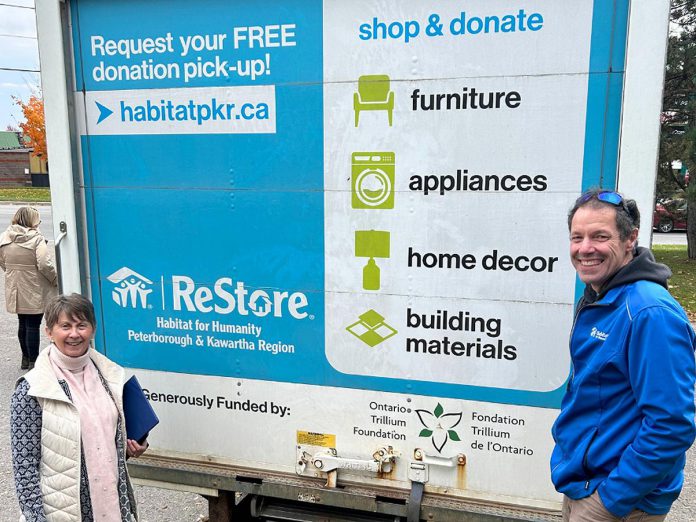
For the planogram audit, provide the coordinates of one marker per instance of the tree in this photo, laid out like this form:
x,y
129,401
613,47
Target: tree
x,y
34,126
678,128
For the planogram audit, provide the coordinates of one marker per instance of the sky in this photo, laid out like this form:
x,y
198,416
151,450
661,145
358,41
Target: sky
x,y
18,50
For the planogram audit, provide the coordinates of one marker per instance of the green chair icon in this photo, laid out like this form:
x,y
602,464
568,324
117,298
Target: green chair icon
x,y
373,95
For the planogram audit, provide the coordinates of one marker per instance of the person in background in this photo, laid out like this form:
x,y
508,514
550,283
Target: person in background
x,y
30,278
68,436
627,417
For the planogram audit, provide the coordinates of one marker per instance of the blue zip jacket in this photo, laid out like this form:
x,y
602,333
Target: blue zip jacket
x,y
627,418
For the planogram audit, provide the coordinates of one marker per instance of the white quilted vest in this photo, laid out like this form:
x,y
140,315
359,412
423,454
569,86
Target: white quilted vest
x,y
60,436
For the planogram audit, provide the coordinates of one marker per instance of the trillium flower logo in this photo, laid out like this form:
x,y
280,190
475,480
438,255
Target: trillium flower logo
x,y
439,426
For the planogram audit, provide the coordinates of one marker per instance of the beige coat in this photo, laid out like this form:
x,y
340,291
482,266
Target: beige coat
x,y
30,278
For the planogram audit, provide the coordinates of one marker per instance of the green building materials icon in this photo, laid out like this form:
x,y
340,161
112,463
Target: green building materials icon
x,y
371,328
371,244
372,180
374,94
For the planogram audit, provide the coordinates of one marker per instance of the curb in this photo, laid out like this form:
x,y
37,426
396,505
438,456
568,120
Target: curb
x,y
27,203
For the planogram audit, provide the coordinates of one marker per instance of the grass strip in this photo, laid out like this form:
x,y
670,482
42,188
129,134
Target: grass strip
x,y
28,194
682,285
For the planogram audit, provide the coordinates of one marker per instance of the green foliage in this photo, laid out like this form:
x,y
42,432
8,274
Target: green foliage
x,y
682,285
29,195
683,12
678,127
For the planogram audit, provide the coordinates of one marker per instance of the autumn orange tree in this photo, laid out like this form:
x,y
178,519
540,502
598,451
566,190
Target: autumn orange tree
x,y
34,126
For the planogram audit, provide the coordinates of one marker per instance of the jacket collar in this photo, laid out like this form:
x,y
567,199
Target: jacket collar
x,y
611,296
112,372
43,383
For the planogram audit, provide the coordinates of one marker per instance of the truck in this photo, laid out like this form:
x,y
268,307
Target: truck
x,y
329,238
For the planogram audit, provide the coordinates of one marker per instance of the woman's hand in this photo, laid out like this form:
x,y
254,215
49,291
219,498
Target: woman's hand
x,y
134,449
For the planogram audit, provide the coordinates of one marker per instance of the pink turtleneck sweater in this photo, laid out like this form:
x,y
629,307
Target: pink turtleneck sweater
x,y
98,418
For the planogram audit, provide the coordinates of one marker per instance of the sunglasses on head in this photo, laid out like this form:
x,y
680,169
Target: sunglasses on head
x,y
608,196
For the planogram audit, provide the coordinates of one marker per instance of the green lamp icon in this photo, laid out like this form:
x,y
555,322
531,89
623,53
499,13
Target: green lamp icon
x,y
372,244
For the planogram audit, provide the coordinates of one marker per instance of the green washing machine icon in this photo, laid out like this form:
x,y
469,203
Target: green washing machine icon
x,y
372,180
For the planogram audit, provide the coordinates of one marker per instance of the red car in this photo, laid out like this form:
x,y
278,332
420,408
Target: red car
x,y
670,216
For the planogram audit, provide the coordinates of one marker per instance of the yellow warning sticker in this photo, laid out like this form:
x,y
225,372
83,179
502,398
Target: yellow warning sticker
x,y
325,440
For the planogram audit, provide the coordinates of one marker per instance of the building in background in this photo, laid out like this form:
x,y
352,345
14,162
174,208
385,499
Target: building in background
x,y
18,167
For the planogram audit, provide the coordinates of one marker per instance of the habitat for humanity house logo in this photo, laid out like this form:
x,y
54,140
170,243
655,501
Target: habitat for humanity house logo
x,y
131,288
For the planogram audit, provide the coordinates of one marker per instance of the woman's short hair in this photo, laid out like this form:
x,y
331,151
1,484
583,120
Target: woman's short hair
x,y
75,306
27,217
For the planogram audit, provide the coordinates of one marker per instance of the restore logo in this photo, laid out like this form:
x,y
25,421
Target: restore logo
x,y
132,290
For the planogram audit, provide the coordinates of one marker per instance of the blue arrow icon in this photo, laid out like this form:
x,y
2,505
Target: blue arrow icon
x,y
104,112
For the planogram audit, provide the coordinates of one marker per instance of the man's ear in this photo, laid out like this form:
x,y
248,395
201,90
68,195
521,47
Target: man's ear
x,y
633,238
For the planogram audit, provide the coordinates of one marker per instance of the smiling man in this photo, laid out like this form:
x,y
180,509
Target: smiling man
x,y
627,418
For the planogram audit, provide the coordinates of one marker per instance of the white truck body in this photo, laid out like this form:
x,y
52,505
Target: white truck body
x,y
320,230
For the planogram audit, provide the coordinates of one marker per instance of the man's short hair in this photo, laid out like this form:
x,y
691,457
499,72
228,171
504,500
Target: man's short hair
x,y
75,306
627,213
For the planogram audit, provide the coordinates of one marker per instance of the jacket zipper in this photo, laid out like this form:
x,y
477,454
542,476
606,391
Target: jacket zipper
x,y
572,331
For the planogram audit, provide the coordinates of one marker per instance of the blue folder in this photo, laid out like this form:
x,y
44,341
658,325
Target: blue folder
x,y
140,417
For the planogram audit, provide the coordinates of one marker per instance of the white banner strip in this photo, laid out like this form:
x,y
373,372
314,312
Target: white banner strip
x,y
202,110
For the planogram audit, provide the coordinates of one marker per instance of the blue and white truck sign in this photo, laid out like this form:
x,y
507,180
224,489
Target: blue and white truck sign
x,y
341,225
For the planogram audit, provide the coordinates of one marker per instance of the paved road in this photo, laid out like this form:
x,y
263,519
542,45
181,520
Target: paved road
x,y
673,238
157,505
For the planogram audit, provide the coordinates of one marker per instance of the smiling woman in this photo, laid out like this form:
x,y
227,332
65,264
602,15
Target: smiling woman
x,y
71,335
67,415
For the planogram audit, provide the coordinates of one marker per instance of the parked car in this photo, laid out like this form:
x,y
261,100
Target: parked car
x,y
670,215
